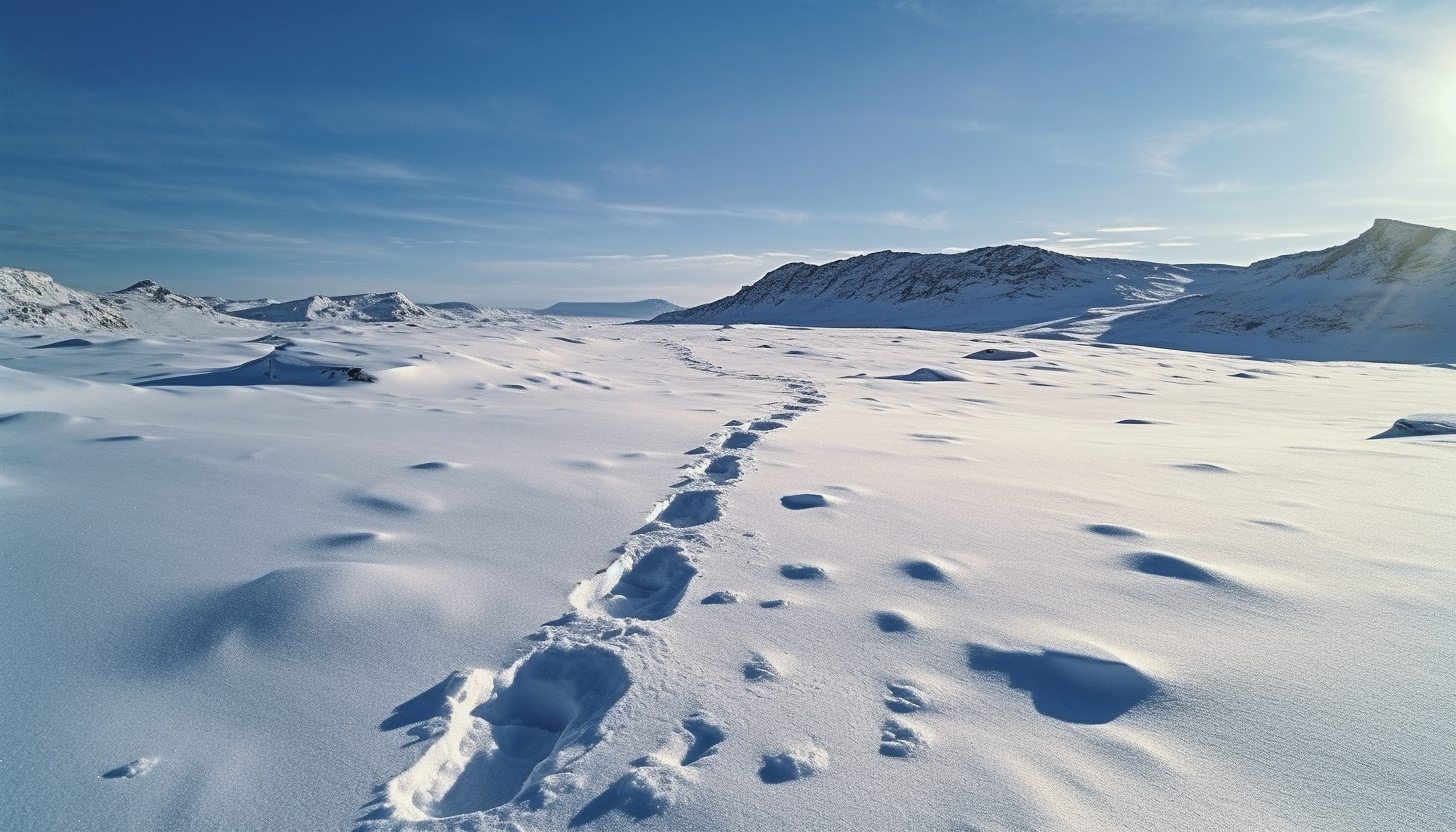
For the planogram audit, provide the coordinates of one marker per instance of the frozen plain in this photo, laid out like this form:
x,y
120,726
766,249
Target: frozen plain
x,y
1101,587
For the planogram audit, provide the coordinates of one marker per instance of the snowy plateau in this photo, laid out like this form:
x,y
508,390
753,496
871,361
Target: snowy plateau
x,y
1004,540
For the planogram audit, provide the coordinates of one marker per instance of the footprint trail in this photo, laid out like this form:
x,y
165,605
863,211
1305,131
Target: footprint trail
x,y
502,745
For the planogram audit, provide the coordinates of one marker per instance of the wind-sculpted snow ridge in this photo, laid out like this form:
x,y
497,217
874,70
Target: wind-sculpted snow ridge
x,y
1387,295
981,290
503,745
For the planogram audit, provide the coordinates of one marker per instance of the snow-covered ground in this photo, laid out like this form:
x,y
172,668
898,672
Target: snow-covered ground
x,y
1100,587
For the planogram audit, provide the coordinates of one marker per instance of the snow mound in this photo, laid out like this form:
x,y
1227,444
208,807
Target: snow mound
x,y
35,299
1421,424
993,354
277,367
927,374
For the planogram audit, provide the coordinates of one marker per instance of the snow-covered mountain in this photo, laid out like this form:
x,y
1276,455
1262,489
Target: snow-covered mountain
x,y
35,299
382,306
1387,295
151,306
622,309
981,290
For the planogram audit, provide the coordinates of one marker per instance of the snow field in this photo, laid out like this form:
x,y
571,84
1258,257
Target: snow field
x,y
1096,587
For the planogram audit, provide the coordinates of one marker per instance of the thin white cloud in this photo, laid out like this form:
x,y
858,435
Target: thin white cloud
x,y
1170,245
1132,228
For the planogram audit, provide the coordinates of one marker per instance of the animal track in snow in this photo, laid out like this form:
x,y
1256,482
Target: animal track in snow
x,y
793,764
903,698
900,739
656,781
759,668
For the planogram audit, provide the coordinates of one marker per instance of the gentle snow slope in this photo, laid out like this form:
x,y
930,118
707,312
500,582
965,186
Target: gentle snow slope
x,y
1098,587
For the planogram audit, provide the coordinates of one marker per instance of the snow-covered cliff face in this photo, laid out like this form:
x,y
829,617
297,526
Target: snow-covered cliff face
x,y
984,289
34,299
1389,294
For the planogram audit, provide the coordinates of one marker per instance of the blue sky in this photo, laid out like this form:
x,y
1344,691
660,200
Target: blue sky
x,y
519,153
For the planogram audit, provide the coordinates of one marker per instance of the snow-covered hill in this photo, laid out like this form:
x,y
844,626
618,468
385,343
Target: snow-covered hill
x,y
35,299
382,306
1387,295
150,306
982,290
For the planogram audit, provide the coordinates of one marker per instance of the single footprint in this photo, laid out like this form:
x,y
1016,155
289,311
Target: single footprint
x,y
899,739
722,596
1109,530
803,572
759,668
704,734
1168,566
904,698
793,764
893,622
924,570
798,502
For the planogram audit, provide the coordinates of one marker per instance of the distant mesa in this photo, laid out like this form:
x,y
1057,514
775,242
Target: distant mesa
x,y
630,310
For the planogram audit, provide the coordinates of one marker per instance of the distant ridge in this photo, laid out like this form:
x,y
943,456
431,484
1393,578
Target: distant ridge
x,y
384,306
1387,295
986,289
622,309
